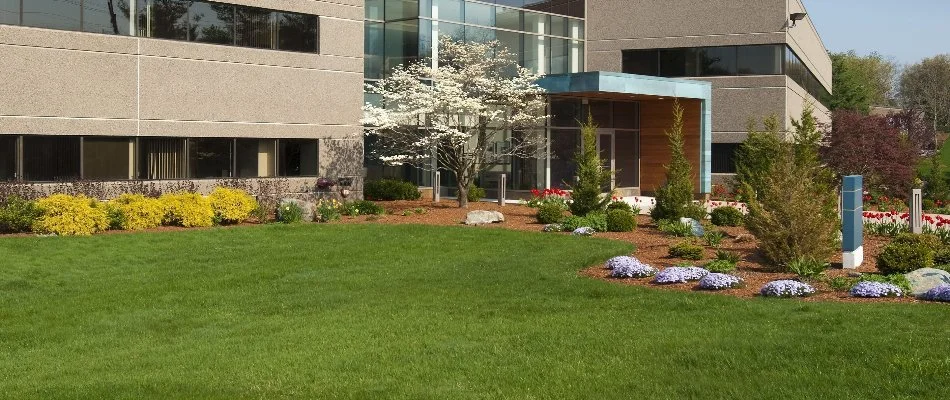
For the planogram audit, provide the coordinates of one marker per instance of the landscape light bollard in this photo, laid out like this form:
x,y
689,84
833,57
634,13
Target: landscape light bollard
x,y
852,221
916,212
436,187
501,189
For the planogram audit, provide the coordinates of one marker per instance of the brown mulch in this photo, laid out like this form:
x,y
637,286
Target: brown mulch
x,y
651,247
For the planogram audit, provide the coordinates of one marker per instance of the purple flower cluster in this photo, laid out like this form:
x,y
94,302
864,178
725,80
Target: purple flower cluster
x,y
787,288
629,267
939,293
717,281
584,231
875,289
680,275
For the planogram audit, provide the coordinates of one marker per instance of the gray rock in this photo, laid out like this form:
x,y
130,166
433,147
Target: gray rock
x,y
854,274
925,279
306,206
481,217
698,230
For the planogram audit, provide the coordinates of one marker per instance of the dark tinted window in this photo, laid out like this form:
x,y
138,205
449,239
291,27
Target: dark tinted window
x,y
641,62
565,112
7,158
161,158
297,32
106,158
50,158
105,16
209,158
169,19
10,12
717,61
508,18
255,28
211,23
679,62
724,158
297,157
374,50
248,156
760,60
53,14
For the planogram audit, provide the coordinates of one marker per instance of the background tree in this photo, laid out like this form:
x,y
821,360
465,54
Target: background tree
x,y
456,117
926,86
794,214
860,82
873,147
587,194
674,198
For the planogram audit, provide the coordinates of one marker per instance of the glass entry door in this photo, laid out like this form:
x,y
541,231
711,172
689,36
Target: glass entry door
x,y
627,158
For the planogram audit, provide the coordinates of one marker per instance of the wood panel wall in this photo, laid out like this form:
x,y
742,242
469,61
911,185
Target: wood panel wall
x,y
656,117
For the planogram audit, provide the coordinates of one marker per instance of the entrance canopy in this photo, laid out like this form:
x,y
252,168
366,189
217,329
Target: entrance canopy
x,y
658,93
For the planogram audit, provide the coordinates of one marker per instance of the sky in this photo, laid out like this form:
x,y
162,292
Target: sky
x,y
907,30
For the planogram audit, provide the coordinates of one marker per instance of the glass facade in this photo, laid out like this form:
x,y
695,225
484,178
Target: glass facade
x,y
51,158
399,32
106,158
771,59
186,20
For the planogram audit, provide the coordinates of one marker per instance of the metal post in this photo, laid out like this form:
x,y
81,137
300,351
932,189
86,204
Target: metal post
x,y
916,212
436,186
852,221
502,184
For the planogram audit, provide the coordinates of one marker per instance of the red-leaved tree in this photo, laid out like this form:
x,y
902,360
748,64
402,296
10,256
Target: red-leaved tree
x,y
871,146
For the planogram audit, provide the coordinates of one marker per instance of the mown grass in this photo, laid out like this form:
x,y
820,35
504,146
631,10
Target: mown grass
x,y
414,312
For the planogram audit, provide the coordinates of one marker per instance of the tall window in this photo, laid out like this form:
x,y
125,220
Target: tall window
x,y
724,158
297,157
161,158
255,157
8,145
50,158
209,158
297,32
106,158
255,28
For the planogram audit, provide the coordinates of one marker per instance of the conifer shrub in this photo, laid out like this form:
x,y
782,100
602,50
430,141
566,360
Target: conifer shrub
x,y
676,194
588,193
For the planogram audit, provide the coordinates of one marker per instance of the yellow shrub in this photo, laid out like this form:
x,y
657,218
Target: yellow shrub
x,y
187,209
232,205
66,215
138,212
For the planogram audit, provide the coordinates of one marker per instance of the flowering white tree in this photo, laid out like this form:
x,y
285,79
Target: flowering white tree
x,y
458,116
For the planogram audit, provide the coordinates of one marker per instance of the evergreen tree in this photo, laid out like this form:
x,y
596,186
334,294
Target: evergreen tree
x,y
755,157
936,187
592,177
675,197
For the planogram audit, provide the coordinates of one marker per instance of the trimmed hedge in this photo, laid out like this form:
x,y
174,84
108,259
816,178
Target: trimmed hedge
x,y
726,216
619,220
390,190
67,215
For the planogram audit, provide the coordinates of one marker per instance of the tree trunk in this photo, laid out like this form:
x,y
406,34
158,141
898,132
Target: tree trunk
x,y
463,195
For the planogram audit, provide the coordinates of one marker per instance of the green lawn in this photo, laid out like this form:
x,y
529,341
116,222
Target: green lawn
x,y
414,312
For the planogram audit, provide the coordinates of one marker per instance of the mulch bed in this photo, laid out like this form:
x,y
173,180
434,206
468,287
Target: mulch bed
x,y
651,247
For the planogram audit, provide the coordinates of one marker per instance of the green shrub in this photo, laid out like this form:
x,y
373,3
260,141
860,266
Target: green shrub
x,y
18,215
928,204
695,211
361,207
729,256
260,214
726,216
721,266
620,205
390,190
842,283
572,222
596,220
898,280
675,228
289,213
619,220
67,215
187,210
903,257
587,193
686,250
807,268
926,240
550,213
475,193
942,256
713,238
326,210
231,206
136,212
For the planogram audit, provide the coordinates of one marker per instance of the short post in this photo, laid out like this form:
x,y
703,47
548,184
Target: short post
x,y
436,186
502,184
852,221
916,212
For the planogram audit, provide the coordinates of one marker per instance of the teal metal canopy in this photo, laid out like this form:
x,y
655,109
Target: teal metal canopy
x,y
590,84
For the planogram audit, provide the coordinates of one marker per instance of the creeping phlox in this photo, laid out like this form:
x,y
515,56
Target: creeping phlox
x,y
584,231
786,288
939,293
875,290
717,281
680,275
629,267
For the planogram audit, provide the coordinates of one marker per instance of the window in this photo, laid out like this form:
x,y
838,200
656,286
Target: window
x,y
641,62
508,18
209,158
8,150
374,10
565,112
512,42
478,14
106,158
211,23
402,43
255,158
475,34
374,50
537,23
400,9
717,61
255,28
50,158
560,56
626,115
448,10
297,32
678,62
535,55
105,16
297,157
559,26
169,19
564,145
10,12
161,158
724,158
53,14
760,60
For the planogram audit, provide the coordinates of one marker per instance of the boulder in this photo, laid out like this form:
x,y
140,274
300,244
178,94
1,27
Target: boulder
x,y
481,217
306,206
925,279
698,230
